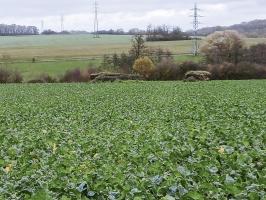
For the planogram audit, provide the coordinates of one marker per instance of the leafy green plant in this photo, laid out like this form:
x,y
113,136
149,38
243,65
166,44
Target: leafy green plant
x,y
137,140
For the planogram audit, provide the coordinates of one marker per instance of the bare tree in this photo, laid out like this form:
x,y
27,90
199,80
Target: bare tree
x,y
165,33
225,46
256,54
138,48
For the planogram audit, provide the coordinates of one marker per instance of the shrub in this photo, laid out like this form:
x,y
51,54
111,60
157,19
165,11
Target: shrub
x,y
7,76
167,70
74,75
221,71
247,70
256,54
144,66
190,66
241,71
15,77
122,63
125,63
36,81
78,75
48,79
224,46
4,76
44,78
158,54
105,76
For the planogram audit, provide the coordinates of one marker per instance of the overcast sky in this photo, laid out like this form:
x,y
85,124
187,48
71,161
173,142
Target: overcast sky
x,y
128,13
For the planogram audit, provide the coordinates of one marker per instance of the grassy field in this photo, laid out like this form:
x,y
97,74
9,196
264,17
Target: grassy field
x,y
66,46
73,46
57,68
70,51
133,140
34,70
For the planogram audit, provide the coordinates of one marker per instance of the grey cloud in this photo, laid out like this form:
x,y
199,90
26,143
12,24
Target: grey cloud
x,y
128,13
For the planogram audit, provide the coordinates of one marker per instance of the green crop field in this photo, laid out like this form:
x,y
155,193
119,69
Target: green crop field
x,y
133,140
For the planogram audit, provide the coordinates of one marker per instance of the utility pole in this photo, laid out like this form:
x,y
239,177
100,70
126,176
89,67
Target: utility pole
x,y
42,26
62,23
96,21
196,23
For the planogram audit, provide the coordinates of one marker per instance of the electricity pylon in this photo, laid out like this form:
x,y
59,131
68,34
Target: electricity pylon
x,y
196,23
96,21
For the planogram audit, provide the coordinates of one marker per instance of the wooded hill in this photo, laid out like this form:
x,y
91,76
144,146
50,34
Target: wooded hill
x,y
255,28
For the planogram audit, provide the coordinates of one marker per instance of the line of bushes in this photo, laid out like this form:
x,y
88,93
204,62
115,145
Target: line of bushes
x,y
70,76
166,70
8,76
240,71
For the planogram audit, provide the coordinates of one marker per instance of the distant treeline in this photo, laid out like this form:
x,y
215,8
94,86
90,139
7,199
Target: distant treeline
x,y
132,31
51,32
165,33
101,32
157,33
11,30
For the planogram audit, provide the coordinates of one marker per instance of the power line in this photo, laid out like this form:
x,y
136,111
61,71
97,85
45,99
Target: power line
x,y
195,23
96,21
